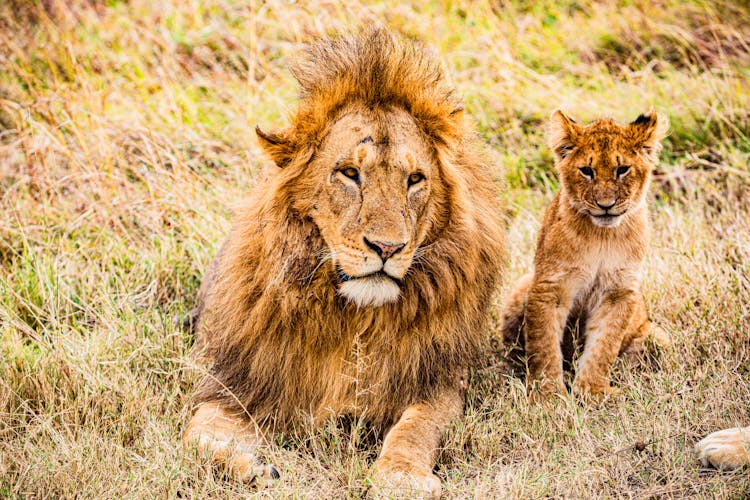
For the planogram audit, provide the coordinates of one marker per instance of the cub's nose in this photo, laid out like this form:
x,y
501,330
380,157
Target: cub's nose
x,y
384,250
606,203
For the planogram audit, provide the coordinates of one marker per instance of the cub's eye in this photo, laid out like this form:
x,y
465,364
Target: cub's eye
x,y
415,178
622,171
351,173
587,172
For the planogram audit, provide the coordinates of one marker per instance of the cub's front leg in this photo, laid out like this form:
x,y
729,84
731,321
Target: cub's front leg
x,y
410,448
546,313
608,323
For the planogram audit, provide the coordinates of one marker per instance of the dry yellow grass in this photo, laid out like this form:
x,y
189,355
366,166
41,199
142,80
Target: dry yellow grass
x,y
126,139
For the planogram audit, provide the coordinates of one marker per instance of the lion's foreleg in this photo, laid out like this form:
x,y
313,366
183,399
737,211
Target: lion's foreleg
x,y
410,448
231,440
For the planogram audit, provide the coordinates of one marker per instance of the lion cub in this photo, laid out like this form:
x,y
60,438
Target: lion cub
x,y
590,253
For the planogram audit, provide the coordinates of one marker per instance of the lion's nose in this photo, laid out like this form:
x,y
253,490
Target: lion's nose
x,y
384,250
606,204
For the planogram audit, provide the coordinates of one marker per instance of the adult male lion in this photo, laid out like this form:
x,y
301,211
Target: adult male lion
x,y
357,281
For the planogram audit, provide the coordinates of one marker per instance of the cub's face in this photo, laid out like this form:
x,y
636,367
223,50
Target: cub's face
x,y
605,168
375,178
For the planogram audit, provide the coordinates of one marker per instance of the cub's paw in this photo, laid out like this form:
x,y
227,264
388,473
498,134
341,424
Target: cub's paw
x,y
659,336
390,480
725,450
595,392
655,338
544,390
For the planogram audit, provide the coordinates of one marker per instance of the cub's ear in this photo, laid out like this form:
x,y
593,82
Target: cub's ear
x,y
563,133
648,130
277,145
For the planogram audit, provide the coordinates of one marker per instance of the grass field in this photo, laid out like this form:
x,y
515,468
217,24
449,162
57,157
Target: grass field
x,y
126,139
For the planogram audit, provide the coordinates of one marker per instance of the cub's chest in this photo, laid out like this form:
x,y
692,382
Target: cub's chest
x,y
609,264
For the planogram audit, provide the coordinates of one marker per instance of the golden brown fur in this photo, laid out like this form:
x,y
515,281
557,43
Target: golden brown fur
x,y
358,279
590,252
725,450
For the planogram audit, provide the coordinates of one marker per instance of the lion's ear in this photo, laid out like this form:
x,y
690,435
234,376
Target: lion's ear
x,y
648,130
277,146
563,133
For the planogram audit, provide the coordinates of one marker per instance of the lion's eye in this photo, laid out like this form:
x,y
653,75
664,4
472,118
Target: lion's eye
x,y
622,171
587,172
351,173
415,178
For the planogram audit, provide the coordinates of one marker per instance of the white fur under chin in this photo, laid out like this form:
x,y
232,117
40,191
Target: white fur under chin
x,y
613,222
374,291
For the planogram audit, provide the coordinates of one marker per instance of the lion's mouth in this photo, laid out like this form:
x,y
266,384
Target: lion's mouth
x,y
607,216
343,277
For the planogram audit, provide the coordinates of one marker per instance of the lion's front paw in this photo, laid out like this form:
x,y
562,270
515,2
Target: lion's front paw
x,y
391,479
246,467
261,475
725,450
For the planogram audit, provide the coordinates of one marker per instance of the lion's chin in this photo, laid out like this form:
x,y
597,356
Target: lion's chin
x,y
607,221
370,291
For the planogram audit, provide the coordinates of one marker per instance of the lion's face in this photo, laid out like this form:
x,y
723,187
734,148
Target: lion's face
x,y
375,177
605,168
